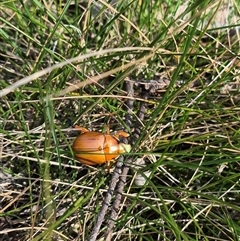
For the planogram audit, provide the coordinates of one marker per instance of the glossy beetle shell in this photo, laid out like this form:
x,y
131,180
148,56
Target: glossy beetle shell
x,y
94,148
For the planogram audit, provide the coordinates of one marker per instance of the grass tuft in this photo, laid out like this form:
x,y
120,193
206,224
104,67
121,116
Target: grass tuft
x,y
68,62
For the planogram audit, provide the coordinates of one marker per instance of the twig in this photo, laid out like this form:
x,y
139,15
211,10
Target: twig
x,y
120,174
128,163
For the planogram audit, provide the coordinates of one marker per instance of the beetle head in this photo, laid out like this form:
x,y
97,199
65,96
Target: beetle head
x,y
123,148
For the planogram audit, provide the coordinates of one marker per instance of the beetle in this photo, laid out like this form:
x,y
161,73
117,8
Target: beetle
x,y
95,148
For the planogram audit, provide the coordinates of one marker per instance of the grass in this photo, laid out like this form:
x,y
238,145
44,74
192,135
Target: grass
x,y
67,62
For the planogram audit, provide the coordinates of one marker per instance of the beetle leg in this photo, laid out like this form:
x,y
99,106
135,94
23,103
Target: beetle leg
x,y
82,129
108,129
108,166
100,148
121,133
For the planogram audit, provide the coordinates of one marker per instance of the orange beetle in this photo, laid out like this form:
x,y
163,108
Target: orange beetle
x,y
94,148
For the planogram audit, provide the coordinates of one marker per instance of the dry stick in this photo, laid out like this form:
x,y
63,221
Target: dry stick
x,y
113,183
128,121
123,177
115,177
116,174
